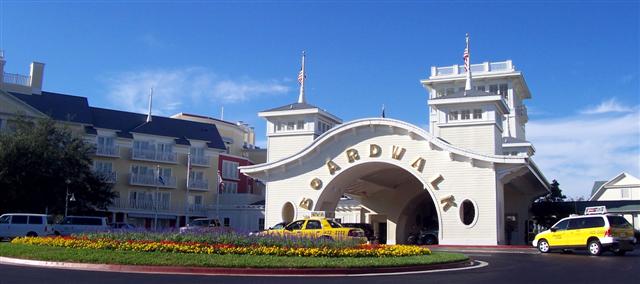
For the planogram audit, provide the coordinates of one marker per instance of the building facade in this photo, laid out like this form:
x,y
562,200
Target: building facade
x,y
623,188
161,167
471,177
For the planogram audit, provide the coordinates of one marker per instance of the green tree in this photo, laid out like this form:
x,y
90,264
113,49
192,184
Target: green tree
x,y
550,208
39,161
555,193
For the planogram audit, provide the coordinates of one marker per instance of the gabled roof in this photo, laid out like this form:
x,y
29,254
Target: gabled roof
x,y
60,107
294,106
597,185
608,184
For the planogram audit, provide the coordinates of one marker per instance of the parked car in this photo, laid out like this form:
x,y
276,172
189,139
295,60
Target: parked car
x,y
423,237
316,227
202,224
25,224
123,226
80,224
366,227
595,233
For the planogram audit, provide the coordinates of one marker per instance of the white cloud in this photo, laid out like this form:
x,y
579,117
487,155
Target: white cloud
x,y
608,106
581,149
175,88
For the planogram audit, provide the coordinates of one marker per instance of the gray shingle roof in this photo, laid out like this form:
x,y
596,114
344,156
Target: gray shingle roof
x,y
76,109
597,185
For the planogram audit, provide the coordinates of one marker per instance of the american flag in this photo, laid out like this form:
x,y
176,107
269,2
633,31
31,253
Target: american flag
x,y
466,55
301,76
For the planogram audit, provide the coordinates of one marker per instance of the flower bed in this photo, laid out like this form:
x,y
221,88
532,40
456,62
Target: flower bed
x,y
142,245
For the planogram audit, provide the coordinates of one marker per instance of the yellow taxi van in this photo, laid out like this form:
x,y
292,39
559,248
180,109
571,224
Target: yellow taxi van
x,y
596,231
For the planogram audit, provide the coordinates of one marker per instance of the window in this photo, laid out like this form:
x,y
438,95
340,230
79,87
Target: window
x,y
300,125
562,225
297,225
290,125
449,91
493,89
260,224
461,89
333,224
480,88
614,221
196,153
230,169
467,212
466,114
477,114
5,219
102,166
440,93
105,142
19,219
230,187
313,225
36,220
226,221
196,175
278,126
625,193
503,90
453,115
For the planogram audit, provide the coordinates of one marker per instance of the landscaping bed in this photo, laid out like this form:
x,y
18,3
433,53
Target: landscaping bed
x,y
219,250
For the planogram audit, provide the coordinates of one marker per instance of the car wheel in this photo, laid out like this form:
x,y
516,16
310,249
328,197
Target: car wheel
x,y
543,246
594,247
32,234
430,240
56,233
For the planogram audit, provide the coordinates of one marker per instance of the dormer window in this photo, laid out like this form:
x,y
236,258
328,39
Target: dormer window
x,y
300,125
477,114
466,114
290,126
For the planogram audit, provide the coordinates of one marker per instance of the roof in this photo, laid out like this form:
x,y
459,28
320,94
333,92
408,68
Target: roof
x,y
60,107
294,106
596,185
76,109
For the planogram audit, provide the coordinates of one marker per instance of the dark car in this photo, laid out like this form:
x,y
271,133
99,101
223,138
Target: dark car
x,y
367,228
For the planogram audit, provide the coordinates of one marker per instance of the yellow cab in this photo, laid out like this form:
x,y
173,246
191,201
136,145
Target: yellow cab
x,y
318,226
596,231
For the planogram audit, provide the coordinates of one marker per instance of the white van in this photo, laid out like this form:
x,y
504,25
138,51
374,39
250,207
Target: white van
x,y
80,224
25,224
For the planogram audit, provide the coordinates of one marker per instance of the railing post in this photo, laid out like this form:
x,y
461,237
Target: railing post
x,y
455,69
434,71
486,67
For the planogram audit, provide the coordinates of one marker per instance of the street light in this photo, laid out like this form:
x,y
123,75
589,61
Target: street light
x,y
68,197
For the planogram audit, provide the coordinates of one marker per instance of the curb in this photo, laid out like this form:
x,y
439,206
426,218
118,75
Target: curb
x,y
486,249
461,265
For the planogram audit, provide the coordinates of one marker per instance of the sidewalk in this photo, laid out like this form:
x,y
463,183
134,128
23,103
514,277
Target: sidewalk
x,y
519,249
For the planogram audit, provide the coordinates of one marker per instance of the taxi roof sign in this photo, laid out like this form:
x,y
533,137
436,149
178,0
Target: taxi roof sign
x,y
595,210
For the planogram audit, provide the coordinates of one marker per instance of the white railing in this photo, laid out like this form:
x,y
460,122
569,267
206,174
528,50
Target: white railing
x,y
17,79
199,184
152,155
152,180
109,177
485,67
142,205
108,150
200,161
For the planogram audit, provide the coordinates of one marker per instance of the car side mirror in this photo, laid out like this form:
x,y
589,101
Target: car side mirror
x,y
554,229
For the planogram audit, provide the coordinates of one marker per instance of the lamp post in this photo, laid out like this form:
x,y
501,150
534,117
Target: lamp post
x,y
68,197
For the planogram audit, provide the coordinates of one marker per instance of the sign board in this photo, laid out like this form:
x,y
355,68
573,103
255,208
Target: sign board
x,y
319,214
595,210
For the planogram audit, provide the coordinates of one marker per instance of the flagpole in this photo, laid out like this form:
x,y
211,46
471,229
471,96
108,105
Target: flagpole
x,y
186,208
301,78
467,65
155,221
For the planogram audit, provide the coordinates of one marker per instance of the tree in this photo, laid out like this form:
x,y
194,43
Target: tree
x,y
39,161
547,209
555,193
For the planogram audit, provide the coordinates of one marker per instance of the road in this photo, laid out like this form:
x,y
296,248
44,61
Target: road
x,y
503,268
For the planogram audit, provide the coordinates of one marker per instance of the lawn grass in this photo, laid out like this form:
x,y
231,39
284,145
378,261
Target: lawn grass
x,y
202,260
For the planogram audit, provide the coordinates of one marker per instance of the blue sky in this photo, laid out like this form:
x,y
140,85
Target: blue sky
x,y
581,62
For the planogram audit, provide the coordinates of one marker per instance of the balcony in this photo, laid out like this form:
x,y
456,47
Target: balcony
x,y
202,161
109,177
142,205
486,67
152,180
108,151
17,79
152,155
197,209
199,184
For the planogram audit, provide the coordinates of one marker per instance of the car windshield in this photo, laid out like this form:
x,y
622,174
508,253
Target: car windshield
x,y
199,223
334,224
618,222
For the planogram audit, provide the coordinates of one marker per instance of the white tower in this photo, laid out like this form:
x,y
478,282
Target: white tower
x,y
490,118
292,127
